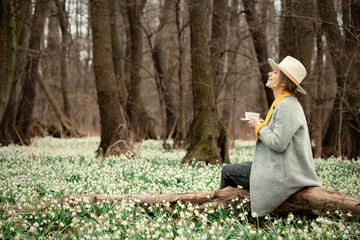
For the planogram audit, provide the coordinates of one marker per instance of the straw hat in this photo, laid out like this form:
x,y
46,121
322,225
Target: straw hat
x,y
293,69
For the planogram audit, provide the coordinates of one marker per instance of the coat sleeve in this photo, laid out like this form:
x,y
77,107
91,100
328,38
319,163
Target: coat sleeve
x,y
286,123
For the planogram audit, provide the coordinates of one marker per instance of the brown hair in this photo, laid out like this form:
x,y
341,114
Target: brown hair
x,y
289,85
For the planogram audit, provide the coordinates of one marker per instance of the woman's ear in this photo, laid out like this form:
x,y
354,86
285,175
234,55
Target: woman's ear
x,y
283,83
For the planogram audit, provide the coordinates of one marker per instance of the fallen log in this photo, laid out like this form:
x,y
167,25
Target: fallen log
x,y
315,200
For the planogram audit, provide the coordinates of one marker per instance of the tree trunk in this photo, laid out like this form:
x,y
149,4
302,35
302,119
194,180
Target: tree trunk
x,y
8,124
134,102
315,200
257,31
181,123
65,48
218,43
5,86
290,30
230,84
297,40
24,114
127,57
318,128
164,67
114,130
8,42
343,136
51,73
117,53
209,139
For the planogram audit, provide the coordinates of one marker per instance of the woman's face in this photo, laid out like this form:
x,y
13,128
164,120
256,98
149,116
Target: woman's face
x,y
272,81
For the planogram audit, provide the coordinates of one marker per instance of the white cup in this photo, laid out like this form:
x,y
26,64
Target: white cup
x,y
249,115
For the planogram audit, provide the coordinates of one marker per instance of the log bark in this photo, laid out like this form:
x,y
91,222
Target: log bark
x,y
315,200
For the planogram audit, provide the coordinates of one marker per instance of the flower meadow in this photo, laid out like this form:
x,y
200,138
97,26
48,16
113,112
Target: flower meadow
x,y
36,175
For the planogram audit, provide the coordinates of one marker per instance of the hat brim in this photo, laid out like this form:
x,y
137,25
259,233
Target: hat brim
x,y
274,65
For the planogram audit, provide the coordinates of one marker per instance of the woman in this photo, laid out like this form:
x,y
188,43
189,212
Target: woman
x,y
283,162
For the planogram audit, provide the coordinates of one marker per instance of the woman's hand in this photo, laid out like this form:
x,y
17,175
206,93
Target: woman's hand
x,y
254,122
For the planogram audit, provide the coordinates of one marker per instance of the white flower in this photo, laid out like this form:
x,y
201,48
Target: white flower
x,y
32,229
192,225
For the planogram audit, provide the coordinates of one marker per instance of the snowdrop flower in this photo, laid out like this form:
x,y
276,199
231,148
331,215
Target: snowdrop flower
x,y
32,229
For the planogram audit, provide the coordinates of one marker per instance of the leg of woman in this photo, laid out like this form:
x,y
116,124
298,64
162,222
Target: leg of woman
x,y
236,174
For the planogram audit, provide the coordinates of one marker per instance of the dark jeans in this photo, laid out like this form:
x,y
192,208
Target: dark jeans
x,y
235,175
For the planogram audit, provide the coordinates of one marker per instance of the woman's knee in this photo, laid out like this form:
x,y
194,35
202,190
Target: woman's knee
x,y
226,169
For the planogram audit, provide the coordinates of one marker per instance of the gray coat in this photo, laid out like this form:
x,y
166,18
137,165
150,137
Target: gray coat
x,y
283,162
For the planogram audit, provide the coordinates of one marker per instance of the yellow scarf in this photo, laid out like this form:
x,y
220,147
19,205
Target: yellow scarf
x,y
283,94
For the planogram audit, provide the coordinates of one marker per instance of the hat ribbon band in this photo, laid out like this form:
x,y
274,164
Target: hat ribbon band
x,y
289,75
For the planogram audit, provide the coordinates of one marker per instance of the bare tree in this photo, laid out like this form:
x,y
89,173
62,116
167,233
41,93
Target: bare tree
x,y
8,132
318,128
209,139
134,102
165,67
51,60
24,116
257,30
297,38
218,43
8,43
117,52
228,111
114,130
65,48
181,23
343,136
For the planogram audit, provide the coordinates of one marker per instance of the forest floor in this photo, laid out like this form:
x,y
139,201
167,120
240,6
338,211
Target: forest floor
x,y
49,168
